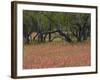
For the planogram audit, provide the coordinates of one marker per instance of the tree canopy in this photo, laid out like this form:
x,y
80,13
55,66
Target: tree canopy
x,y
73,26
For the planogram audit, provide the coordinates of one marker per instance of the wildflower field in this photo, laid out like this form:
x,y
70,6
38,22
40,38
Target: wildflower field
x,y
56,54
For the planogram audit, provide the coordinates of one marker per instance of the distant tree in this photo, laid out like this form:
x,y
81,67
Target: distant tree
x,y
81,26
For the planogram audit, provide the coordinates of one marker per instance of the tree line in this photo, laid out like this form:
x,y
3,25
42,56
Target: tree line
x,y
71,26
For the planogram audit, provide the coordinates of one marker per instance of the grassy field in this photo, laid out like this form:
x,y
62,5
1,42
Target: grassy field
x,y
56,54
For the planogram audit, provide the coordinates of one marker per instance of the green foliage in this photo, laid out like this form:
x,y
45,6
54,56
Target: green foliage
x,y
76,25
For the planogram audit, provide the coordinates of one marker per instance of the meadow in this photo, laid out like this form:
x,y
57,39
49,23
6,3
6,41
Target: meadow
x,y
56,54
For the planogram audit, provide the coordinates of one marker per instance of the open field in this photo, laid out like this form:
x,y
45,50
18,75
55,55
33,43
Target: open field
x,y
56,54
